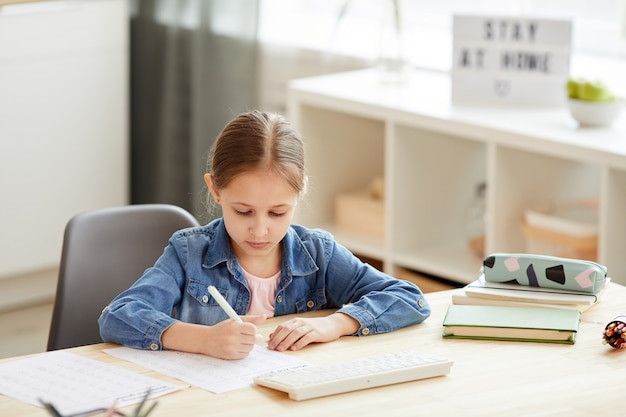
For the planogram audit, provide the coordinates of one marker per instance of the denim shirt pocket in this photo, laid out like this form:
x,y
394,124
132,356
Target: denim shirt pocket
x,y
199,291
312,300
198,306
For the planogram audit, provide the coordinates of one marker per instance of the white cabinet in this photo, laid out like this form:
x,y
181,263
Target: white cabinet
x,y
433,154
63,122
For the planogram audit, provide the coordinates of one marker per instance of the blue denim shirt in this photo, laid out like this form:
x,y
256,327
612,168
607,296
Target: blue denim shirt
x,y
316,273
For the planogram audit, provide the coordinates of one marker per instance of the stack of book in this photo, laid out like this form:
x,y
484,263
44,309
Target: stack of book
x,y
488,310
481,292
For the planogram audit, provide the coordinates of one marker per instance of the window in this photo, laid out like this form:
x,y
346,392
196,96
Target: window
x,y
356,27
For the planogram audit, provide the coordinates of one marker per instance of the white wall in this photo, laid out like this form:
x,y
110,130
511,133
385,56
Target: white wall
x,y
63,122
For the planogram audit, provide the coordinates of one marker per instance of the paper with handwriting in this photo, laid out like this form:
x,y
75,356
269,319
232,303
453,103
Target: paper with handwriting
x,y
211,374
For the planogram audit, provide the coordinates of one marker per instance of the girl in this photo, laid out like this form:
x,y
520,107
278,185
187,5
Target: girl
x,y
261,263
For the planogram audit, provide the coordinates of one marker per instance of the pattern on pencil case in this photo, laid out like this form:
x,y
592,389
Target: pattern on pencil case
x,y
489,261
583,279
556,274
532,277
512,264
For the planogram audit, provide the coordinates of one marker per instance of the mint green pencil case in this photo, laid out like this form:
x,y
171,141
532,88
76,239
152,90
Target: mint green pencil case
x,y
545,272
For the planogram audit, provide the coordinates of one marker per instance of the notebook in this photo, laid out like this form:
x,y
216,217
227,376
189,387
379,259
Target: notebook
x,y
529,324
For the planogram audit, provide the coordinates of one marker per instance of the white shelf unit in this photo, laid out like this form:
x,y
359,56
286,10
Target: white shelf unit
x,y
432,155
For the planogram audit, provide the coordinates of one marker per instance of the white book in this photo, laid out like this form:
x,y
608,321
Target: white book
x,y
520,293
460,298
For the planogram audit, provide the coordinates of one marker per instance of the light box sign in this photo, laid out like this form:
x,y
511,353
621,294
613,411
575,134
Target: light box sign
x,y
510,60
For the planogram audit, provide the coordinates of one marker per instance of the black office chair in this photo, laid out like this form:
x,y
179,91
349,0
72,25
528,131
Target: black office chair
x,y
104,252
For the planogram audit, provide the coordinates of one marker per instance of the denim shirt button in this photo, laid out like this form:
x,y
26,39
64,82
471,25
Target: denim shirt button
x,y
279,298
205,299
310,304
420,302
154,346
365,331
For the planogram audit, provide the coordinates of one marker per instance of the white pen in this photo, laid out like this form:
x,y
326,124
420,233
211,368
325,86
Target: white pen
x,y
224,304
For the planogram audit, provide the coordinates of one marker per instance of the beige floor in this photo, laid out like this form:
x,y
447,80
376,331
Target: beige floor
x,y
24,331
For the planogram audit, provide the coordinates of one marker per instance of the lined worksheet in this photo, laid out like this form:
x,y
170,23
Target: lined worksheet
x,y
211,374
74,384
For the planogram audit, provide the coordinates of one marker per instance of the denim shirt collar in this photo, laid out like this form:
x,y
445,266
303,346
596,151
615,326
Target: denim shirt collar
x,y
296,258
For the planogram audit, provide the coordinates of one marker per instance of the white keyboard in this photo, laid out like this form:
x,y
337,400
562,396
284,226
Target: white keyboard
x,y
368,372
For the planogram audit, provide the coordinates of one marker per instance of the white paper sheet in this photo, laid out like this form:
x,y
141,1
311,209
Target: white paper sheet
x,y
211,374
75,384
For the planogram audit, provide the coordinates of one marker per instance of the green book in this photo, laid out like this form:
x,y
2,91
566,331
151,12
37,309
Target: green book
x,y
529,324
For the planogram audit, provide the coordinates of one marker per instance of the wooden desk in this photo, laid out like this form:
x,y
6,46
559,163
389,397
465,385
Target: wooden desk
x,y
489,378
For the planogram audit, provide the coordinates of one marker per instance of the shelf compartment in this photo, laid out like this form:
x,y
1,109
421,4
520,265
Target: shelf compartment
x,y
343,154
530,181
432,181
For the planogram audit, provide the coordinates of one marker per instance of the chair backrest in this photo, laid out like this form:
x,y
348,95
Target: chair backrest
x,y
104,252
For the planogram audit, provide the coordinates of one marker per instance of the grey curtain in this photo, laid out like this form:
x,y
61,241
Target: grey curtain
x,y
194,65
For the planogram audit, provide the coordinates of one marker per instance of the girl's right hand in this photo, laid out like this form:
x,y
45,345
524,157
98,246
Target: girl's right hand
x,y
228,339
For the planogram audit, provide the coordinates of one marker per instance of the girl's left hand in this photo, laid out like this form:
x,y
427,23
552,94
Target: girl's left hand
x,y
298,332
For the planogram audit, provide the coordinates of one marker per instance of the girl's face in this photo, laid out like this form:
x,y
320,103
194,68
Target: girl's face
x,y
258,208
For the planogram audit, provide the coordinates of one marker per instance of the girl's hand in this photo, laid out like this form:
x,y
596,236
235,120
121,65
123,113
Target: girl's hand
x,y
228,339
231,339
298,332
